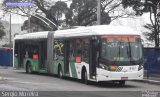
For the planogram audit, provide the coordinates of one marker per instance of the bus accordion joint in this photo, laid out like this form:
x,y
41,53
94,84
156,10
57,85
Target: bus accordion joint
x,y
35,56
78,59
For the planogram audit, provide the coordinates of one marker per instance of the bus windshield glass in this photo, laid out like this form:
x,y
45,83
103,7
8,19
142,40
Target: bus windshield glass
x,y
121,48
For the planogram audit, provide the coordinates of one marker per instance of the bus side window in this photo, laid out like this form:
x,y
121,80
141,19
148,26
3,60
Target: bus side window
x,y
78,47
71,51
85,50
81,47
58,48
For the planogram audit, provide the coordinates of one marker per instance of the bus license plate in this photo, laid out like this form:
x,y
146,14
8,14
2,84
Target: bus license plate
x,y
124,78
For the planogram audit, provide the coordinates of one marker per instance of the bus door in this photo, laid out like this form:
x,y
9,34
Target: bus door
x,y
20,53
42,54
66,56
92,58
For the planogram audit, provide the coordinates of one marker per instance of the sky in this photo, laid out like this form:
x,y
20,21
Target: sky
x,y
17,19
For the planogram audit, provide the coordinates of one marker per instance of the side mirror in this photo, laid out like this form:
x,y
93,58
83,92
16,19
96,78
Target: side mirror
x,y
142,41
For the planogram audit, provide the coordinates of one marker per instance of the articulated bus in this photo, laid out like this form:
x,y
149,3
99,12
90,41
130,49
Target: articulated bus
x,y
96,53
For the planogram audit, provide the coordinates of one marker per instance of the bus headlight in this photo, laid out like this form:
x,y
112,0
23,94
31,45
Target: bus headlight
x,y
104,66
140,67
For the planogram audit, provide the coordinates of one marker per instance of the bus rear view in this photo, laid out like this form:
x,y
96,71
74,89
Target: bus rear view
x,y
121,58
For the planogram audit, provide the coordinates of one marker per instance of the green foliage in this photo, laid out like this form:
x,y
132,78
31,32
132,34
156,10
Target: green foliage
x,y
83,13
151,6
39,6
8,45
135,4
150,33
2,32
58,10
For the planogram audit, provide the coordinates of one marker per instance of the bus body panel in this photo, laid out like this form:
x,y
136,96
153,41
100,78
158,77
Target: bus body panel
x,y
33,63
105,75
79,67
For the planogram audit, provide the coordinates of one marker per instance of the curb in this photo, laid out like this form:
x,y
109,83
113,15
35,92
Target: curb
x,y
2,78
4,67
149,81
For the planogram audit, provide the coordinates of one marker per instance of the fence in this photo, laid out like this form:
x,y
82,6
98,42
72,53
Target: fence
x,y
6,58
152,61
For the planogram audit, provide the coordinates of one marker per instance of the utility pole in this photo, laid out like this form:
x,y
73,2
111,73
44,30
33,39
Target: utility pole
x,y
29,23
10,35
29,19
22,4
98,12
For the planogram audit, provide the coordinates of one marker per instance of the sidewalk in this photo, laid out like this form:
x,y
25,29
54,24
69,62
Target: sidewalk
x,y
153,79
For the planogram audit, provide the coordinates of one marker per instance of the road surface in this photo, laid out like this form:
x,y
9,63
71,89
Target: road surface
x,y
18,80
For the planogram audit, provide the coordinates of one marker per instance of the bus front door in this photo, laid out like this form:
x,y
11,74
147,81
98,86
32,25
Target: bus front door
x,y
66,57
92,58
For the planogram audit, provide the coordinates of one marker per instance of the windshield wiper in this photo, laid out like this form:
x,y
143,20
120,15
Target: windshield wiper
x,y
117,57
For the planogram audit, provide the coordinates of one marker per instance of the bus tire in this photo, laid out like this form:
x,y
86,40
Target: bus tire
x,y
28,68
60,75
122,82
84,77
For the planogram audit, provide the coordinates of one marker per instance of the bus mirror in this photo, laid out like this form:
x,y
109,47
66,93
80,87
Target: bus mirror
x,y
142,41
78,59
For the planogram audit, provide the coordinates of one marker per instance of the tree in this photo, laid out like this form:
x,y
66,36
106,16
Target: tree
x,y
41,7
150,33
151,6
2,32
83,12
58,10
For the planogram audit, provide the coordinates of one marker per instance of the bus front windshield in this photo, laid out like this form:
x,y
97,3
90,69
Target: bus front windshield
x,y
122,50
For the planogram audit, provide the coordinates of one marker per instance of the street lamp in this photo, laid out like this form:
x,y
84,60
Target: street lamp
x,y
46,19
39,17
43,21
15,4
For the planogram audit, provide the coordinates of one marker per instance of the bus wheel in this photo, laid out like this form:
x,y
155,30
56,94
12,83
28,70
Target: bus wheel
x,y
122,83
28,68
60,75
84,77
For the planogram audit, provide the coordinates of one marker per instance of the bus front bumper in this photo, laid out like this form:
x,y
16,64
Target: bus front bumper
x,y
104,75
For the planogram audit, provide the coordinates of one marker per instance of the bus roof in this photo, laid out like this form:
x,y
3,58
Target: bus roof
x,y
96,30
83,31
35,35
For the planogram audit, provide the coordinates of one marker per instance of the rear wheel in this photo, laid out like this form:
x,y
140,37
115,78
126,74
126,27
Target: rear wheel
x,y
28,68
60,75
84,77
